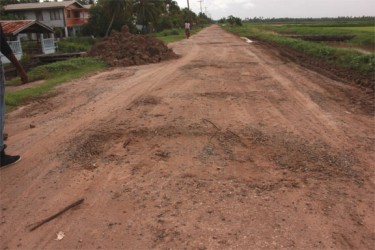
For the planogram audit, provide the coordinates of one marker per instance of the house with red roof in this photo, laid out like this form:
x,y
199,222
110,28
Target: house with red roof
x,y
66,17
28,36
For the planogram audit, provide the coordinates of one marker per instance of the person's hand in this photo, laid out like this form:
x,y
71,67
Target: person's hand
x,y
23,76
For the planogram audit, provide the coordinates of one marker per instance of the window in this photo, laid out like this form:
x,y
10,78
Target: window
x,y
55,15
68,14
39,16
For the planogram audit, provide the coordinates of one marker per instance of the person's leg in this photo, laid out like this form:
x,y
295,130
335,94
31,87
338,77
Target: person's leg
x,y
5,160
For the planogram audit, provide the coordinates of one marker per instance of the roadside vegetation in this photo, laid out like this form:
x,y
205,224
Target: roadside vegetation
x,y
174,35
140,16
363,36
52,74
76,44
353,59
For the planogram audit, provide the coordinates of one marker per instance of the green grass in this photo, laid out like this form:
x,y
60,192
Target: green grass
x,y
364,29
169,36
53,74
364,36
75,44
349,59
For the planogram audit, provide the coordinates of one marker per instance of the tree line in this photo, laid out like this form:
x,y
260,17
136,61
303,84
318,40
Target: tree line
x,y
370,20
142,16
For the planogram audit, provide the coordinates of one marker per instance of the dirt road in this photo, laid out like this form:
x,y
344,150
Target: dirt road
x,y
230,146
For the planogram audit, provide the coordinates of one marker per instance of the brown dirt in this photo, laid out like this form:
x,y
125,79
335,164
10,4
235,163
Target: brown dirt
x,y
125,49
367,82
231,146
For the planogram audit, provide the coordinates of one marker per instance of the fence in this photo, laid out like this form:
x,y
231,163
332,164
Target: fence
x,y
48,45
17,51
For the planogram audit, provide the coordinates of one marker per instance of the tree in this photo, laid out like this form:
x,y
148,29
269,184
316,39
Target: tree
x,y
234,20
172,8
117,9
108,14
189,15
222,20
147,11
203,19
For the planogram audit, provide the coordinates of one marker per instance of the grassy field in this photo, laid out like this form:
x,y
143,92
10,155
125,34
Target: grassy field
x,y
364,36
351,59
53,74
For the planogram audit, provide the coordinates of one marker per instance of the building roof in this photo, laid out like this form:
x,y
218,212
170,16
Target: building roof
x,y
14,27
43,5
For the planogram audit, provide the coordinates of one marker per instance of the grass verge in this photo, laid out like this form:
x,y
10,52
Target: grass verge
x,y
53,74
349,59
363,36
75,44
174,35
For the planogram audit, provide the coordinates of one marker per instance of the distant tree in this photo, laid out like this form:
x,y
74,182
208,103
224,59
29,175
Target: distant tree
x,y
172,7
147,11
203,19
3,14
116,9
222,20
108,14
232,20
189,15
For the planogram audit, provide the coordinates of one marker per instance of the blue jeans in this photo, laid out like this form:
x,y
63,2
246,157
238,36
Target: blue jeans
x,y
2,105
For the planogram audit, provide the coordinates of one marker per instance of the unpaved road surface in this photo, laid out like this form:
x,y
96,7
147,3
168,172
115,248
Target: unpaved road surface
x,y
230,146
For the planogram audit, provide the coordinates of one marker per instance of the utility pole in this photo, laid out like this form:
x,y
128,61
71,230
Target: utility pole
x,y
200,2
188,14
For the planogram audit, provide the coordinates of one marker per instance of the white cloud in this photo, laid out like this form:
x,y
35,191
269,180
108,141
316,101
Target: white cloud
x,y
282,8
225,4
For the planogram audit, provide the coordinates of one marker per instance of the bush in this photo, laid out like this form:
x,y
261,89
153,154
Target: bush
x,y
60,68
76,44
174,32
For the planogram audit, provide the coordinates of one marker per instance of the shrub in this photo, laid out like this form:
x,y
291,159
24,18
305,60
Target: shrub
x,y
174,32
76,44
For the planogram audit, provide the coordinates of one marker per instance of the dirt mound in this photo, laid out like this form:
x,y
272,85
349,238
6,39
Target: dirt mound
x,y
125,49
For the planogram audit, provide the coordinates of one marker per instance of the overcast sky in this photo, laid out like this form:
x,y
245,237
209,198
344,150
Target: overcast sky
x,y
282,8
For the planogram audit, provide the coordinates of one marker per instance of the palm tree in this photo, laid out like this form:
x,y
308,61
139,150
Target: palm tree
x,y
116,9
147,11
171,7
